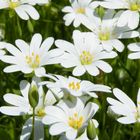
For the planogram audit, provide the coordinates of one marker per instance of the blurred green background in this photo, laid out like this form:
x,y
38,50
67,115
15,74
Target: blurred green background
x,y
125,74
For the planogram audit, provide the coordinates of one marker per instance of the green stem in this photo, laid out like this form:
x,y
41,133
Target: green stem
x,y
129,73
33,122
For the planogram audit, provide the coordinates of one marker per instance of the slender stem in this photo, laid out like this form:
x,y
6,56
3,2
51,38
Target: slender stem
x,y
129,73
33,123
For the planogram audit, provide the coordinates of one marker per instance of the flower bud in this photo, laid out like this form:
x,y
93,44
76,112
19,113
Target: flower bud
x,y
33,95
91,130
30,26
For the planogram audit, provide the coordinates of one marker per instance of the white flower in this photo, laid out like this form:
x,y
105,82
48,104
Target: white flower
x,y
69,120
19,105
76,87
83,136
78,10
85,54
130,14
125,107
30,58
107,32
23,8
135,48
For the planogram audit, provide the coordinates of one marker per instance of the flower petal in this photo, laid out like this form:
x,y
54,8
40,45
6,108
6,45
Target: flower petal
x,y
133,20
49,120
129,34
92,70
12,68
26,130
103,66
58,128
134,55
21,13
35,43
122,21
39,130
40,71
71,134
123,98
127,120
16,100
78,70
134,47
23,46
59,113
13,111
4,4
24,88
118,45
47,43
31,11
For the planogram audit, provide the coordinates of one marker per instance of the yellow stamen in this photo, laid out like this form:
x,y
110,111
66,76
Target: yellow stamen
x,y
32,53
41,112
80,10
13,4
104,36
76,121
135,7
86,58
74,86
33,61
75,115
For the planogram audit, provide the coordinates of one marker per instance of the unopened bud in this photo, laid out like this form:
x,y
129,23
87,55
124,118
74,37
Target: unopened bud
x,y
91,130
33,95
30,26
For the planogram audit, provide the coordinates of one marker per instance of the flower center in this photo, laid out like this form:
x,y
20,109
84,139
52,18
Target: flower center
x,y
135,6
75,121
40,112
80,10
86,58
104,36
33,61
13,4
74,85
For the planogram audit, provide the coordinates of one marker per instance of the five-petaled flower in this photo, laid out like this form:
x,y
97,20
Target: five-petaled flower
x,y
75,87
107,31
85,54
30,58
125,107
78,10
69,119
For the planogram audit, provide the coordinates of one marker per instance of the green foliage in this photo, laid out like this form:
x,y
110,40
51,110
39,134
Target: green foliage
x,y
125,74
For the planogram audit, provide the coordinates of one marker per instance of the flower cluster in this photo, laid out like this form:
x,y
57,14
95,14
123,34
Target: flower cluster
x,y
68,106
